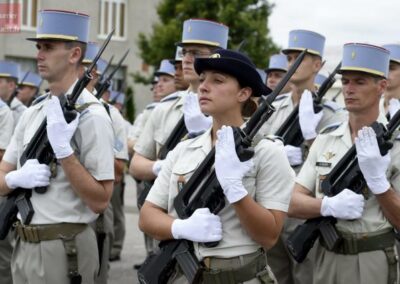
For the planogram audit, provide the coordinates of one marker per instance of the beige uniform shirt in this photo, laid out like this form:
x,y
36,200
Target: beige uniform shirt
x,y
324,154
269,183
18,109
120,136
93,144
283,104
140,122
159,126
6,125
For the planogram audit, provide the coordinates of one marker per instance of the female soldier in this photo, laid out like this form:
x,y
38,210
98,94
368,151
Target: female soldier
x,y
257,191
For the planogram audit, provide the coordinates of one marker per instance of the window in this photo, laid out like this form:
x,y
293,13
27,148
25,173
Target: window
x,y
28,12
113,15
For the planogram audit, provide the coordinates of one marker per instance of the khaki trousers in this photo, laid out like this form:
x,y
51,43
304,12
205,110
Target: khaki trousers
x,y
46,262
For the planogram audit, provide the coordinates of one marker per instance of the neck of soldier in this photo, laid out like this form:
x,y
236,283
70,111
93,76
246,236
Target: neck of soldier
x,y
231,118
194,85
299,87
61,86
359,119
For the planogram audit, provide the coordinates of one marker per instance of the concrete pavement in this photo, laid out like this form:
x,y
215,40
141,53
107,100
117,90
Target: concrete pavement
x,y
133,251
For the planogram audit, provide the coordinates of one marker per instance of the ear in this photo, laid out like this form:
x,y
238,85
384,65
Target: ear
x,y
317,64
244,94
75,55
382,85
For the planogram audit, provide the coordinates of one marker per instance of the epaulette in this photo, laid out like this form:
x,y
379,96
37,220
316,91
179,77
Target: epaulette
x,y
280,97
151,106
330,128
333,106
39,99
170,97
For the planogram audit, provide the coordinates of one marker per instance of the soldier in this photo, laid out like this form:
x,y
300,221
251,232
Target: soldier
x,y
6,131
199,39
180,83
165,83
277,68
285,268
256,191
391,102
58,246
9,72
364,222
28,90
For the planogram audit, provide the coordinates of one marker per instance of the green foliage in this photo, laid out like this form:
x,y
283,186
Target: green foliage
x,y
247,20
130,105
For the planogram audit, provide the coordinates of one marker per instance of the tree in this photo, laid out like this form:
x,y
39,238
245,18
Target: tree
x,y
247,20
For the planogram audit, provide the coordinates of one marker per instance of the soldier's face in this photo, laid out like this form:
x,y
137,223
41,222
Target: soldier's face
x,y
26,93
308,68
53,60
6,88
190,52
180,82
394,76
165,85
273,78
221,95
362,92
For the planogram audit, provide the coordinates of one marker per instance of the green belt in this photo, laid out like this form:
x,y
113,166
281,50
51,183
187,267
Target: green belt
x,y
354,244
383,240
246,272
38,233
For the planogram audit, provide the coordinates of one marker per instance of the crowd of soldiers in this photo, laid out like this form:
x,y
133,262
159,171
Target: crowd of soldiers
x,y
213,131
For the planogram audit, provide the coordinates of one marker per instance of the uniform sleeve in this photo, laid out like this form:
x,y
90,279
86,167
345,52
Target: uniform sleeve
x,y
308,174
395,167
95,140
275,177
6,126
159,193
146,145
120,136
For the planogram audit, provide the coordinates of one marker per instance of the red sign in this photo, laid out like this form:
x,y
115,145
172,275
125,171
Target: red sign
x,y
10,18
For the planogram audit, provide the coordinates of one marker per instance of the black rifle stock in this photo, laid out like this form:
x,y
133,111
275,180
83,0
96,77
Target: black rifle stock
x,y
107,82
290,130
39,148
103,74
345,174
203,190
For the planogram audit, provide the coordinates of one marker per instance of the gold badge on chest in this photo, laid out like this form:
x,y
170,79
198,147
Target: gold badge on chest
x,y
329,155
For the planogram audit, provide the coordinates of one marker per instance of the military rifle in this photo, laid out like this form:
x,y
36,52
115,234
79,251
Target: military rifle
x,y
290,130
203,190
346,174
103,74
107,82
39,148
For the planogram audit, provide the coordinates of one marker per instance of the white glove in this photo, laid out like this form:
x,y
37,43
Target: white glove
x,y
294,154
157,166
30,175
202,226
307,118
228,168
394,106
373,166
346,205
59,131
195,120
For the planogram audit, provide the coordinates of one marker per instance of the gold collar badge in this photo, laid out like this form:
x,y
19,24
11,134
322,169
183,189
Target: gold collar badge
x,y
329,155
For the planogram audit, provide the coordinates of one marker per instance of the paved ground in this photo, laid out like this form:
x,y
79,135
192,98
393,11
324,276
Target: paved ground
x,y
121,272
